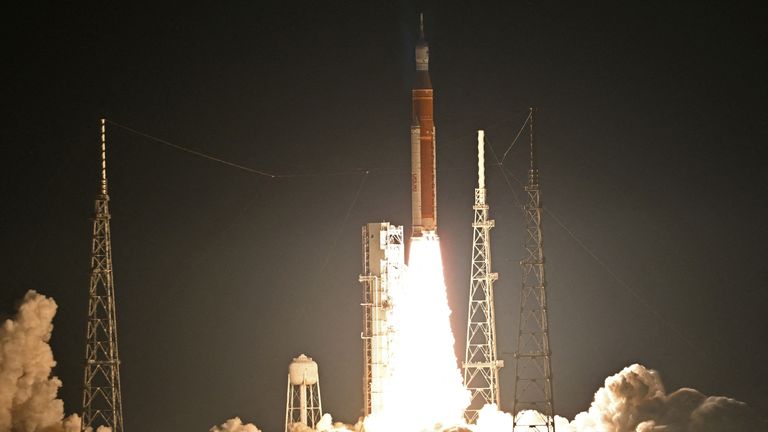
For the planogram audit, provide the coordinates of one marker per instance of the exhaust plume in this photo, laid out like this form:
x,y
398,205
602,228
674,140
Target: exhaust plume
x,y
234,425
326,424
28,392
422,350
634,400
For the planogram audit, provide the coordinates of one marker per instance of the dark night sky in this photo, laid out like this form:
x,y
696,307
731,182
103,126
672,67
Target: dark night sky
x,y
652,125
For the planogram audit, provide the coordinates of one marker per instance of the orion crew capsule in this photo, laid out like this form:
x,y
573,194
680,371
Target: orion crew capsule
x,y
423,174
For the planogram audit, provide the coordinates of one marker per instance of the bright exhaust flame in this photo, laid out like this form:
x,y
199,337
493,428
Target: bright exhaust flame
x,y
425,391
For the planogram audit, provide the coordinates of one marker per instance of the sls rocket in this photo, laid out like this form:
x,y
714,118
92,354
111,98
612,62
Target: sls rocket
x,y
423,175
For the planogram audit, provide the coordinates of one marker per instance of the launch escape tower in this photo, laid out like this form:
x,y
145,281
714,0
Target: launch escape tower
x,y
303,404
102,404
481,364
533,368
383,266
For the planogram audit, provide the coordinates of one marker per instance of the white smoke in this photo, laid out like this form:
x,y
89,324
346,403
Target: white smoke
x,y
235,425
28,392
422,348
326,424
491,419
634,400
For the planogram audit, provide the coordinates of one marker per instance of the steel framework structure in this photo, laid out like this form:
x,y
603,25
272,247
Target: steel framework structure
x,y
102,402
481,364
533,368
303,406
383,264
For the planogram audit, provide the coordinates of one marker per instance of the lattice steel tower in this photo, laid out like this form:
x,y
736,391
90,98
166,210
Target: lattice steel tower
x,y
481,364
533,368
102,405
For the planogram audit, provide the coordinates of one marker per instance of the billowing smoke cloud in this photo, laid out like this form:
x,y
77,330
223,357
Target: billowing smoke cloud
x,y
28,392
235,425
634,400
491,419
326,424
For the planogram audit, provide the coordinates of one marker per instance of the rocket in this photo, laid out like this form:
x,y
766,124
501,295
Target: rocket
x,y
423,175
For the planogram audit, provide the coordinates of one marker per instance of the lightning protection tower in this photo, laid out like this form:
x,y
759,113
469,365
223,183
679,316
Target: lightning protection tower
x,y
533,368
481,365
383,265
102,404
303,405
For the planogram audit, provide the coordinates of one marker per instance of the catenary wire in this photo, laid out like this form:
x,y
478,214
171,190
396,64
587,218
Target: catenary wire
x,y
344,221
194,152
354,171
522,128
506,172
233,164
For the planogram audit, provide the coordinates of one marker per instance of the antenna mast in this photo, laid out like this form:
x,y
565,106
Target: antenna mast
x,y
533,368
481,364
102,401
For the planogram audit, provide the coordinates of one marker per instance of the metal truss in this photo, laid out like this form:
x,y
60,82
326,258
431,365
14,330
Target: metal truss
x,y
533,368
481,364
102,404
303,405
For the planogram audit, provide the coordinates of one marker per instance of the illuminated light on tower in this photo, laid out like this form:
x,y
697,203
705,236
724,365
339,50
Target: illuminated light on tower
x,y
481,364
102,404
303,405
533,366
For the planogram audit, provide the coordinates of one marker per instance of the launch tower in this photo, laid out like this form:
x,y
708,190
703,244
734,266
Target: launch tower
x,y
481,364
533,368
383,266
102,404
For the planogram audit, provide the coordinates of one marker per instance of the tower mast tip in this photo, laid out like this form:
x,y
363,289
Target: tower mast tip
x,y
103,156
481,159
